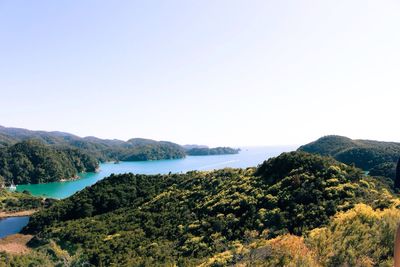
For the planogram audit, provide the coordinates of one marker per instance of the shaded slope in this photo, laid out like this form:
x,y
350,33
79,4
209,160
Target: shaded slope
x,y
34,162
379,158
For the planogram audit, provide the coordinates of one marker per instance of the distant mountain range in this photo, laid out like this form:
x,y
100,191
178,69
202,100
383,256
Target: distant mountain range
x,y
55,150
102,149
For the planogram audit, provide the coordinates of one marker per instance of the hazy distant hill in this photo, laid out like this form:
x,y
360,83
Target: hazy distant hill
x,y
39,157
89,149
199,151
102,149
111,149
187,147
18,134
379,158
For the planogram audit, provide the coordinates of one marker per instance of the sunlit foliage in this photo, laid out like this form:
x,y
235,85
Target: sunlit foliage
x,y
208,217
359,237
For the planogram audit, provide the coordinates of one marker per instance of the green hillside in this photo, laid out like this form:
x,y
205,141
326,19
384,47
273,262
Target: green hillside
x,y
41,157
203,151
136,149
34,162
379,158
211,218
15,201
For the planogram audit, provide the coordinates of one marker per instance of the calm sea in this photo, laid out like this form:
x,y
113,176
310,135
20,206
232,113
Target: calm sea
x,y
248,157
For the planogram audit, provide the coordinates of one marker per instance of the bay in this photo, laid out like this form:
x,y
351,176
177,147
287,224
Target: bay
x,y
12,225
248,157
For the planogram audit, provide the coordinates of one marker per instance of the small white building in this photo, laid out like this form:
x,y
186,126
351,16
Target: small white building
x,y
12,187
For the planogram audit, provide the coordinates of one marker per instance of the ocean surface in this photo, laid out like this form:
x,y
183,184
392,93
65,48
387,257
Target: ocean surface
x,y
248,157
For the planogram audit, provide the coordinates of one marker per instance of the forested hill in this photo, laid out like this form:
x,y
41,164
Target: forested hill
x,y
272,214
11,202
34,162
135,149
59,155
102,149
379,158
145,149
203,151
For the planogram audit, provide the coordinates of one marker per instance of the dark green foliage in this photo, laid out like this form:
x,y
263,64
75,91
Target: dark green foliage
x,y
102,149
143,149
307,189
63,155
34,162
151,219
387,169
328,145
375,156
275,169
31,259
15,201
202,151
107,195
366,158
136,149
397,181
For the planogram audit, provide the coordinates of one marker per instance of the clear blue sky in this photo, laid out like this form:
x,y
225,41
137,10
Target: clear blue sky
x,y
212,72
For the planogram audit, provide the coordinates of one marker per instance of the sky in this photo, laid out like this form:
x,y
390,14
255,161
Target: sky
x,y
214,72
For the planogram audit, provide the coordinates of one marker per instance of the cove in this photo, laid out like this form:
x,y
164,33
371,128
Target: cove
x,y
12,225
248,157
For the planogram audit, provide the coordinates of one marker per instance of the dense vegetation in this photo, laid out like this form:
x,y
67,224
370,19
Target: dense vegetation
x,y
231,216
144,149
34,162
361,236
40,157
31,259
15,201
202,151
136,149
397,181
379,158
101,149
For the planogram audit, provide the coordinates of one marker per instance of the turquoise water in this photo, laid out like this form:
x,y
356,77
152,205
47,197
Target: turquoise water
x,y
12,225
248,157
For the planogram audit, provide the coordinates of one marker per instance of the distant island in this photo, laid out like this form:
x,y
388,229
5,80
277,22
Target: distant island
x,y
39,157
203,151
187,147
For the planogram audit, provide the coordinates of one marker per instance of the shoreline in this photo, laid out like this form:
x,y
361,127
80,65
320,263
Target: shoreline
x,y
73,178
23,213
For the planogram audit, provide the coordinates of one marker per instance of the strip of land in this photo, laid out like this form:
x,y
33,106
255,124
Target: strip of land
x,y
15,244
5,214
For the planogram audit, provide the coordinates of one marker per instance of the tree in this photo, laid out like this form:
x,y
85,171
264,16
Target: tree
x,y
397,181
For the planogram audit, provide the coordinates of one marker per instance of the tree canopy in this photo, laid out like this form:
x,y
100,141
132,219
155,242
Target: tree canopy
x,y
189,219
204,151
32,161
379,158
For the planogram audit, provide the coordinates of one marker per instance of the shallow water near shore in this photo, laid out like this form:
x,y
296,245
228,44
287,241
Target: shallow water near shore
x,y
248,157
12,225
